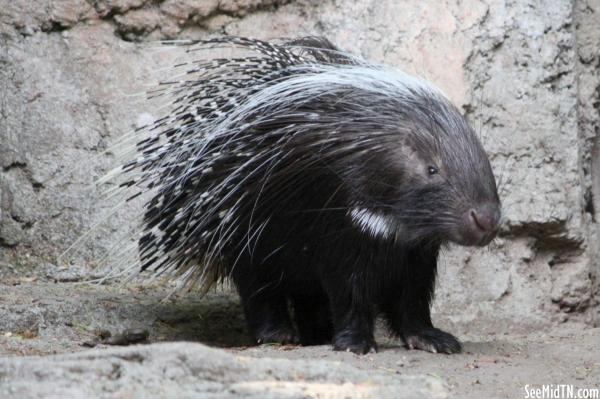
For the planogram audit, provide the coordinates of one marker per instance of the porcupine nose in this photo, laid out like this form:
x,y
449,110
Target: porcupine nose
x,y
484,223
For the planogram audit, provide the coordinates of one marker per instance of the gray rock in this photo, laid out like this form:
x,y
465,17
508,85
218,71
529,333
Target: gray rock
x,y
51,318
186,370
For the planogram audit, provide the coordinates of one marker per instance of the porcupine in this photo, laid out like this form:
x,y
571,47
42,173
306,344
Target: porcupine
x,y
321,184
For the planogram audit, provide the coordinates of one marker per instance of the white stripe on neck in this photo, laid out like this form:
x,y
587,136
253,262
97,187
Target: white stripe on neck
x,y
376,225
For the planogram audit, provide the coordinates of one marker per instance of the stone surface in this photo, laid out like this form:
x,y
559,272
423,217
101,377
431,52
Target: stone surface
x,y
186,370
63,317
588,89
40,318
525,73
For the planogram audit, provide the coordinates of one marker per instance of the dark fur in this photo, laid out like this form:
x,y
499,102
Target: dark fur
x,y
289,243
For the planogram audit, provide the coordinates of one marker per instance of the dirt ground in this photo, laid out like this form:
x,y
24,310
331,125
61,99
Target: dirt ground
x,y
41,317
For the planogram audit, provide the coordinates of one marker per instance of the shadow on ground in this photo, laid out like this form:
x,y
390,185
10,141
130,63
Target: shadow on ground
x,y
39,318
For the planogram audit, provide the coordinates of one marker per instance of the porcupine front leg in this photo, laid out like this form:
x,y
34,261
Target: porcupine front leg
x,y
352,314
408,311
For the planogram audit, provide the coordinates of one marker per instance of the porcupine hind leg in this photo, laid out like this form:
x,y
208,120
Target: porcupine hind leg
x,y
313,317
265,309
408,311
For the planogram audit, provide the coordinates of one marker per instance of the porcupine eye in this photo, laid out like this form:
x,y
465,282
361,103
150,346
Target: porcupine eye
x,y
432,170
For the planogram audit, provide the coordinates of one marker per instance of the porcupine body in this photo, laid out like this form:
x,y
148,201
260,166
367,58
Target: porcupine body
x,y
319,183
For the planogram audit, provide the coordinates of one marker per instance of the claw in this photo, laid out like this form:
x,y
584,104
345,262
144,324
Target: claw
x,y
433,340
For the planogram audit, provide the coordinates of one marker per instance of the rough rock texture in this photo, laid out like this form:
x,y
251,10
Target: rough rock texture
x,y
187,370
41,318
588,90
525,72
59,317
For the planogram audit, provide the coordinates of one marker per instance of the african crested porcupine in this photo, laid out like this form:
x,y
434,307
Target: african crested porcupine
x,y
321,184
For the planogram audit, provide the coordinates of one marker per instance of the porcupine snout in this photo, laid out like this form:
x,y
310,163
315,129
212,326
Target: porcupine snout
x,y
482,223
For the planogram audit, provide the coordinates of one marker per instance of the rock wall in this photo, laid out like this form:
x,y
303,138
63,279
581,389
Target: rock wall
x,y
525,72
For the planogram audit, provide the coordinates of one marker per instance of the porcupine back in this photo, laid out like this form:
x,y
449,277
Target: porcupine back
x,y
245,137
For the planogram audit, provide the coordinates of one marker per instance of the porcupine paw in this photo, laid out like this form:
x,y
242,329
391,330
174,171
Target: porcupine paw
x,y
281,335
361,345
432,340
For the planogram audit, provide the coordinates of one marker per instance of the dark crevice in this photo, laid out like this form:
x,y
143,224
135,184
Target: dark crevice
x,y
25,224
54,26
588,198
596,103
4,244
37,186
549,236
14,165
554,77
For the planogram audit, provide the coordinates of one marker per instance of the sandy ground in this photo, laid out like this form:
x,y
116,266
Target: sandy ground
x,y
38,317
490,367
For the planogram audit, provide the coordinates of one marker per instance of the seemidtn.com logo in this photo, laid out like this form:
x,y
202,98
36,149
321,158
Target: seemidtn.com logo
x,y
560,391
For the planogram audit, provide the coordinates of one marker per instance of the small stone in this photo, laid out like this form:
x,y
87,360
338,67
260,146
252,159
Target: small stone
x,y
127,337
